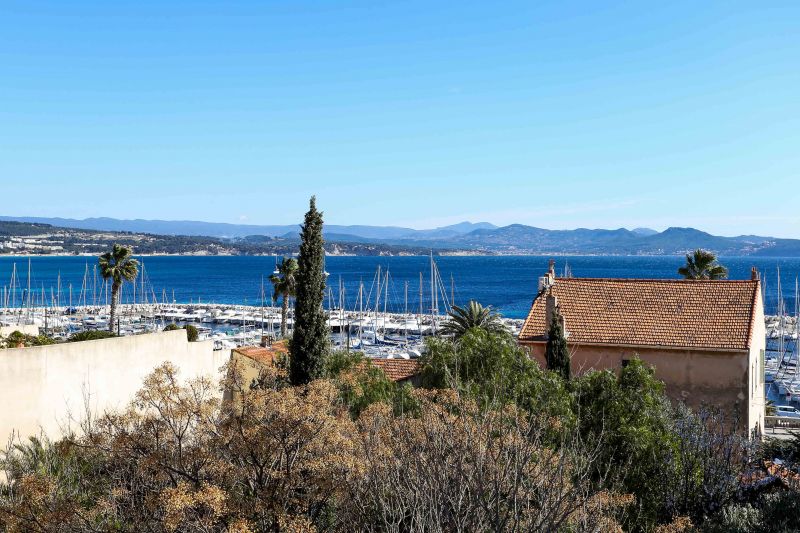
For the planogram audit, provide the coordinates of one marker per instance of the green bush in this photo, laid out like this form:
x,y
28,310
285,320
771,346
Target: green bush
x,y
362,384
191,333
171,327
90,336
494,370
16,339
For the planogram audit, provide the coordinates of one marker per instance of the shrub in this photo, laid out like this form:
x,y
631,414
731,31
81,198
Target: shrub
x,y
171,327
362,384
191,333
90,335
492,369
18,339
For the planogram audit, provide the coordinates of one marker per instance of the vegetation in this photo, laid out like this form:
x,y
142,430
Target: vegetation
x,y
310,336
702,264
17,339
90,335
119,266
490,442
557,353
284,285
462,319
191,331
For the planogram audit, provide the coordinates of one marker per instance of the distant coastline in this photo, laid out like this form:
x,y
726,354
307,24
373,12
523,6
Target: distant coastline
x,y
466,239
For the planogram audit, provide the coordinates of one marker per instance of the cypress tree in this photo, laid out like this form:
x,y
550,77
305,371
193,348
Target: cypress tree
x,y
310,338
557,354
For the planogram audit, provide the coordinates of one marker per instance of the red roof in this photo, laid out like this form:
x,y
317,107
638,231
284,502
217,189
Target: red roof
x,y
645,312
264,355
397,369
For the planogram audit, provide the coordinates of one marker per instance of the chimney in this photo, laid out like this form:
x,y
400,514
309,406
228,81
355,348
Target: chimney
x,y
754,274
547,281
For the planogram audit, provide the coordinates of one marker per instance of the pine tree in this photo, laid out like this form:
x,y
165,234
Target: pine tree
x,y
557,354
310,338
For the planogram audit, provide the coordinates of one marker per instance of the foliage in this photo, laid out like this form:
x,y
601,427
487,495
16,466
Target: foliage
x,y
556,352
310,337
119,266
90,335
494,443
171,327
629,414
702,264
677,462
462,319
362,384
284,285
492,369
458,467
285,458
778,512
191,333
17,339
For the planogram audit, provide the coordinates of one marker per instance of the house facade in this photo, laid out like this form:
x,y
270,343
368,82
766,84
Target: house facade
x,y
705,339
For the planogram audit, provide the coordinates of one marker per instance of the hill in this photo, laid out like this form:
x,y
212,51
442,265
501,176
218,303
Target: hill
x,y
462,238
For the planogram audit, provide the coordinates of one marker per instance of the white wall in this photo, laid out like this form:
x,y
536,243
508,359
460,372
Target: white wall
x,y
40,386
756,370
27,329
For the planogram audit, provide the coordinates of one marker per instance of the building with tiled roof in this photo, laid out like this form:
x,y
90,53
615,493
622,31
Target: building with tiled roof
x,y
266,354
399,370
705,338
250,361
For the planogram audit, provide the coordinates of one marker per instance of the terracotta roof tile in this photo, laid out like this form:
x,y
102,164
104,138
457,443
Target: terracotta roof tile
x,y
264,355
398,369
646,312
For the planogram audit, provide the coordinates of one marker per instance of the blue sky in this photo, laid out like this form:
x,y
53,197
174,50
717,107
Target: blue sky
x,y
555,114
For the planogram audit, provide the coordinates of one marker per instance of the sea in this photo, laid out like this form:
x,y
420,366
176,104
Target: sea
x,y
507,283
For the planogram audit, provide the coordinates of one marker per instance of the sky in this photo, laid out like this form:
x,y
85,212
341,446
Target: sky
x,y
414,113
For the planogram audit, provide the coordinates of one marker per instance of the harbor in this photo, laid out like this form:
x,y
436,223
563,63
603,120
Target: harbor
x,y
382,334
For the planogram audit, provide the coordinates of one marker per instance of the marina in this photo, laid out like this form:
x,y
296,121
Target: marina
x,y
230,326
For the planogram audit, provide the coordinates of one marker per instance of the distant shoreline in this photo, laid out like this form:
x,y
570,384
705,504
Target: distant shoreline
x,y
436,255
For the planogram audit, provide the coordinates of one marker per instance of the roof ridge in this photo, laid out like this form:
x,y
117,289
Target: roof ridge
x,y
654,312
661,280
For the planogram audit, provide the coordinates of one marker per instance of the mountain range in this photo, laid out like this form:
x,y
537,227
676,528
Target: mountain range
x,y
230,231
466,237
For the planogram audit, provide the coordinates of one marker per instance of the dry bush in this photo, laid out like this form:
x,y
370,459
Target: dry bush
x,y
282,458
459,468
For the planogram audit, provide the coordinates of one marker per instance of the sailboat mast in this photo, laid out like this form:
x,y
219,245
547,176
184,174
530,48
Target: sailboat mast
x,y
420,294
452,291
28,312
433,292
14,288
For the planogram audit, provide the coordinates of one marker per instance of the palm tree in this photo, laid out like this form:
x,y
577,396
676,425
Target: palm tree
x,y
119,266
474,315
284,282
702,264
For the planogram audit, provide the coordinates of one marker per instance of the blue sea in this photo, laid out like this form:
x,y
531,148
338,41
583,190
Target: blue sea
x,y
507,283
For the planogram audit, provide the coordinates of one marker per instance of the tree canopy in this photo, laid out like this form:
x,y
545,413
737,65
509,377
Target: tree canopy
x,y
702,264
310,338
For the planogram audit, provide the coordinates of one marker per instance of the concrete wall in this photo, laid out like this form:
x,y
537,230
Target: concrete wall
x,y
692,376
40,386
28,329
